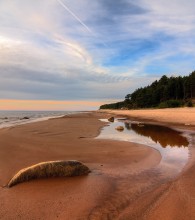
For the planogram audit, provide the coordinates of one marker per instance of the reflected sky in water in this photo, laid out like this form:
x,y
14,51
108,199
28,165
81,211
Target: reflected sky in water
x,y
172,144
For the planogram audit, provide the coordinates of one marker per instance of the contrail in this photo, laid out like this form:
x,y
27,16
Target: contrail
x,y
79,20
76,17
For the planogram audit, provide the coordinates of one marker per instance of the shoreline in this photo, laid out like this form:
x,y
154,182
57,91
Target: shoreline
x,y
21,121
115,166
178,117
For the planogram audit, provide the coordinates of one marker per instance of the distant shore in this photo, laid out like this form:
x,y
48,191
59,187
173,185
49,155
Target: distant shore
x,y
118,186
179,116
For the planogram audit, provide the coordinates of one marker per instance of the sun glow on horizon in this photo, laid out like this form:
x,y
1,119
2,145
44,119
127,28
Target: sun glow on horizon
x,y
53,105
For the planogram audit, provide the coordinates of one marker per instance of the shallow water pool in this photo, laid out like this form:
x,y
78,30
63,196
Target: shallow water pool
x,y
172,144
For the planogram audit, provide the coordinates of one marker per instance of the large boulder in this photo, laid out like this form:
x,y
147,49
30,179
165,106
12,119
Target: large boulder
x,y
111,119
49,169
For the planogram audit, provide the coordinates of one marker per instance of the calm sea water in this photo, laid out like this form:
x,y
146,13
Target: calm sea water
x,y
13,118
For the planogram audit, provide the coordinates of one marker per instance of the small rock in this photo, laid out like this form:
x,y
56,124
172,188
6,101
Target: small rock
x,y
121,119
111,119
119,128
25,118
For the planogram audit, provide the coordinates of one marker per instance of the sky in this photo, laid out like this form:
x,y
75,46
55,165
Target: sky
x,y
79,54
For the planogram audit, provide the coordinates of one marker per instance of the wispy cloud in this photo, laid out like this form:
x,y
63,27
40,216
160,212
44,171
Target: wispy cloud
x,y
56,49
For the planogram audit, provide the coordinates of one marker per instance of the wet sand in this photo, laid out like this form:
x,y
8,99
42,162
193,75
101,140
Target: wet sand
x,y
95,196
123,183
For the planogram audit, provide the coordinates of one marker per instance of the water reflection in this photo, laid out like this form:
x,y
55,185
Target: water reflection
x,y
159,134
172,144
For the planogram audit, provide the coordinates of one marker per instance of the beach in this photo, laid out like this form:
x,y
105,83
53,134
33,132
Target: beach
x,y
178,116
123,183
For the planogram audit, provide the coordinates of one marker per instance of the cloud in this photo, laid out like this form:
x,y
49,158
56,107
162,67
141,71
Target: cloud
x,y
47,53
122,7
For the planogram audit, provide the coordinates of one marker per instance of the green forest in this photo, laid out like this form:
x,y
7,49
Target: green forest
x,y
168,92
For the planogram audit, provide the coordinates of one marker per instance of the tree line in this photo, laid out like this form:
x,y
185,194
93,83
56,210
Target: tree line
x,y
164,93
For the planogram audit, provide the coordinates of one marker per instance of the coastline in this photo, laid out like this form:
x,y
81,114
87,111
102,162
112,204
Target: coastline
x,y
114,179
26,117
181,117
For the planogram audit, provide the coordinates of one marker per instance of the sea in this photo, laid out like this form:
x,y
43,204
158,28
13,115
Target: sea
x,y
14,118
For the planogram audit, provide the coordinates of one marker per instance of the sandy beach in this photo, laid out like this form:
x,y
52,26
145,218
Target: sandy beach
x,y
123,183
178,116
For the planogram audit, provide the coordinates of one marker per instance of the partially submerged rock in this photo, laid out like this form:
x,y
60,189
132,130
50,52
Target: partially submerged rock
x,y
140,125
119,128
122,119
111,119
25,118
49,169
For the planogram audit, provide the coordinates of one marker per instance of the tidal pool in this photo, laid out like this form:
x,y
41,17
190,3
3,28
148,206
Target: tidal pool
x,y
172,144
